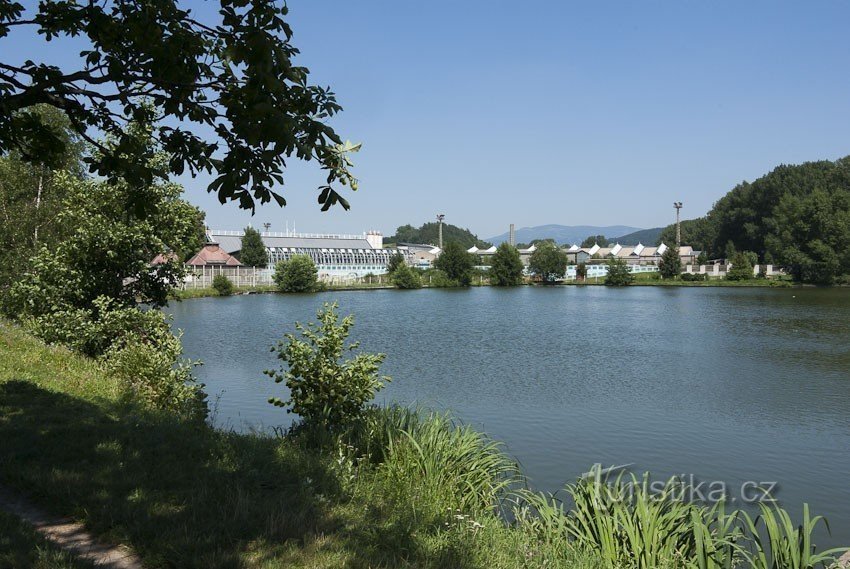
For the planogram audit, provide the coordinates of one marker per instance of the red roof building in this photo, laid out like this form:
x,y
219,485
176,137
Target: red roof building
x,y
213,256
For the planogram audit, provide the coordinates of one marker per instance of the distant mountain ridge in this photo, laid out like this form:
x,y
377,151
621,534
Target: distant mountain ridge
x,y
567,233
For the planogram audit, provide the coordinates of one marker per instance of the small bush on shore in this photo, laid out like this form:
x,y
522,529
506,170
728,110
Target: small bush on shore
x,y
298,274
405,277
325,389
222,285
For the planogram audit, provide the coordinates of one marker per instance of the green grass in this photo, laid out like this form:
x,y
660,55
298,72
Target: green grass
x,y
21,546
209,291
185,495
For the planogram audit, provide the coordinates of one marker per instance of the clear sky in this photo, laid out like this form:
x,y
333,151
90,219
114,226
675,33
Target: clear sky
x,y
560,112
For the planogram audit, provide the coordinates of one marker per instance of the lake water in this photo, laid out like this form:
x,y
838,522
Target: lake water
x,y
724,384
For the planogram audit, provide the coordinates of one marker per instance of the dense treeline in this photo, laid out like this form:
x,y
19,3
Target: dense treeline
x,y
796,216
429,233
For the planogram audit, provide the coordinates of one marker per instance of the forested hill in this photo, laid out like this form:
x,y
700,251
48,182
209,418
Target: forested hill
x,y
428,233
797,216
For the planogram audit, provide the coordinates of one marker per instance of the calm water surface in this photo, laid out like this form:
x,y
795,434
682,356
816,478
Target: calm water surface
x,y
725,384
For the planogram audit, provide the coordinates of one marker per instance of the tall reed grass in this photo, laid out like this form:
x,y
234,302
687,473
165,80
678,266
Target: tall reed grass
x,y
630,524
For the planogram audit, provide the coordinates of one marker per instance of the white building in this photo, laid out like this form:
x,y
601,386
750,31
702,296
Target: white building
x,y
335,256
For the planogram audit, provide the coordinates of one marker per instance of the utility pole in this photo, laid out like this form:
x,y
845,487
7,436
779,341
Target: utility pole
x,y
440,217
678,206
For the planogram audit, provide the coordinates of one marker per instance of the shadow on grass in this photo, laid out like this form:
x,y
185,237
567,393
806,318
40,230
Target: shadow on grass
x,y
184,495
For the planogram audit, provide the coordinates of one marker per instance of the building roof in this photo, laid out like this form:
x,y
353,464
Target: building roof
x,y
231,241
213,254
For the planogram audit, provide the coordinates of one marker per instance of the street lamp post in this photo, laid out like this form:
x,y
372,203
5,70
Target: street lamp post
x,y
440,217
678,206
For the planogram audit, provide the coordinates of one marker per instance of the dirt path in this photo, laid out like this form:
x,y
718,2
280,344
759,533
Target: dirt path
x,y
68,535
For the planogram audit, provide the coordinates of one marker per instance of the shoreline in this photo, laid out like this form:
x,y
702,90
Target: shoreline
x,y
189,294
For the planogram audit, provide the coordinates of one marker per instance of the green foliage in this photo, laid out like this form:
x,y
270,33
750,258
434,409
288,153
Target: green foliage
x,y
506,266
152,369
702,258
436,278
450,467
694,277
548,262
323,388
253,252
592,240
429,233
456,263
670,265
222,285
631,522
581,271
135,346
619,273
396,261
405,277
779,542
742,267
109,248
30,200
698,233
155,63
298,274
795,216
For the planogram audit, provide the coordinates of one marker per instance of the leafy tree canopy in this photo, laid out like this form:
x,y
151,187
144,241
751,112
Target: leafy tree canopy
x,y
548,262
456,263
506,266
429,233
396,261
156,63
298,274
109,249
593,240
253,252
797,216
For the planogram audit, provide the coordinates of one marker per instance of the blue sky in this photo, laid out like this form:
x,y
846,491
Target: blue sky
x,y
559,112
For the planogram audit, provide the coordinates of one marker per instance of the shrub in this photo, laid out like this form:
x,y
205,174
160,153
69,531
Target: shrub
x,y
298,274
156,376
406,278
222,285
694,277
619,273
439,279
395,262
136,346
324,389
742,268
581,271
456,263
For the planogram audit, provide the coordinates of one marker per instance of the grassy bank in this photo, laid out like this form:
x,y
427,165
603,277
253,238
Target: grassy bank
x,y
21,546
184,495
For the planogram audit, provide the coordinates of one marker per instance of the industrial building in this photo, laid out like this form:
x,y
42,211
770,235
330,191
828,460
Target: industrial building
x,y
335,256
